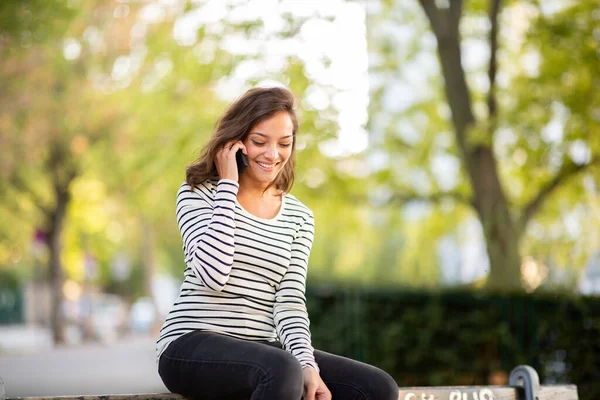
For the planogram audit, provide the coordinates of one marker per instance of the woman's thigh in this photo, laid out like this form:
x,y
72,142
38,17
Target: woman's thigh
x,y
205,365
353,380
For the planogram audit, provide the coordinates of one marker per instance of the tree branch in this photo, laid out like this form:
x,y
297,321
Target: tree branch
x,y
433,15
403,198
455,13
445,25
444,22
566,172
20,184
491,98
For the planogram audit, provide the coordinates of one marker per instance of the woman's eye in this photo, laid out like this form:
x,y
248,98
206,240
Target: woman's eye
x,y
257,143
285,144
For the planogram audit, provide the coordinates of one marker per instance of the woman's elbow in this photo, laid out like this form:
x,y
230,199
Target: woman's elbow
x,y
209,282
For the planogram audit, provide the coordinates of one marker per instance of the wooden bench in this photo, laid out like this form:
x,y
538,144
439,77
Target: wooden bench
x,y
524,385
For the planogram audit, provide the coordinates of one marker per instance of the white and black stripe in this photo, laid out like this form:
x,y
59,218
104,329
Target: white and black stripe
x,y
245,276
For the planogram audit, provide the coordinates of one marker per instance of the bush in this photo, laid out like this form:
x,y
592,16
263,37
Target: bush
x,y
11,297
461,337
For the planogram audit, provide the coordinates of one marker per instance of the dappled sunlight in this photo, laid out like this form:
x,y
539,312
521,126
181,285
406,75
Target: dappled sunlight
x,y
91,195
71,290
533,273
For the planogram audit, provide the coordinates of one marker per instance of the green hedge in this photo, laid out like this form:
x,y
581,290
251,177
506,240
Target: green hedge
x,y
11,298
459,337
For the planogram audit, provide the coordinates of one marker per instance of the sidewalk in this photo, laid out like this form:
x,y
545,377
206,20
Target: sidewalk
x,y
24,339
32,367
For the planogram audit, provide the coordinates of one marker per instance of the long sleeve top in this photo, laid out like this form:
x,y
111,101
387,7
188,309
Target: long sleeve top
x,y
244,276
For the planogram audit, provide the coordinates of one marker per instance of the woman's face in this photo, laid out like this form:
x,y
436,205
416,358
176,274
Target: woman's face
x,y
269,147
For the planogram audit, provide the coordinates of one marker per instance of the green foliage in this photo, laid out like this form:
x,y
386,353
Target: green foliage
x,y
460,337
563,88
10,279
32,21
11,297
129,135
547,90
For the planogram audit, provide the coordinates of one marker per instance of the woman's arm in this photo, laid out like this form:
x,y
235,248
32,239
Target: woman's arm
x,y
291,318
208,231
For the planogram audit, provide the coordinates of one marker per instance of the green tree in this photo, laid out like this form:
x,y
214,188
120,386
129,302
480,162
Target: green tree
x,y
29,21
52,119
480,114
99,124
46,140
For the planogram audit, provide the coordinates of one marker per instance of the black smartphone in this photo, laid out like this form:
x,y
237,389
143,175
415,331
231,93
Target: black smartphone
x,y
242,162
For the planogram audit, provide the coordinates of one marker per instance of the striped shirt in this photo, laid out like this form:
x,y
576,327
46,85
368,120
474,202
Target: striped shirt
x,y
245,276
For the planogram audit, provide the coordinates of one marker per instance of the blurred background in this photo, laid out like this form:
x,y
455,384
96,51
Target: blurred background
x,y
449,150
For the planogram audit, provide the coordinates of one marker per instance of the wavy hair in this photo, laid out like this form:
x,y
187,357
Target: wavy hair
x,y
253,107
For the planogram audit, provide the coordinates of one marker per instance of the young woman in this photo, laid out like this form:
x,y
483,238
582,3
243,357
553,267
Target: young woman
x,y
239,328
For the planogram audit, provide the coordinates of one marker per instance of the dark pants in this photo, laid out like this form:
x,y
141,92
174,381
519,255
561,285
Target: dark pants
x,y
210,366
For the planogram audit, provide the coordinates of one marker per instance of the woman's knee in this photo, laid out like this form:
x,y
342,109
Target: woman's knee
x,y
383,386
284,377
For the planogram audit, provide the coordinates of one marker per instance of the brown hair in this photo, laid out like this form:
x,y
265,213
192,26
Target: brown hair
x,y
253,107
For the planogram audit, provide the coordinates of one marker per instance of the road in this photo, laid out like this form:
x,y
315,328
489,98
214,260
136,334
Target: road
x,y
125,368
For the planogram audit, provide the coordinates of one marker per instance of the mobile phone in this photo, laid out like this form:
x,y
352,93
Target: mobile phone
x,y
242,162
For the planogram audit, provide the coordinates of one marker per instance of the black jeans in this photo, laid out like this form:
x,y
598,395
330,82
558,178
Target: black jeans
x,y
210,366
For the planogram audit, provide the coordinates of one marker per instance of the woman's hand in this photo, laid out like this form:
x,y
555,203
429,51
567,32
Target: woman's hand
x,y
225,160
314,387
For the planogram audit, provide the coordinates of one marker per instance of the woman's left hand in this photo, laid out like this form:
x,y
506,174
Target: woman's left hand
x,y
314,387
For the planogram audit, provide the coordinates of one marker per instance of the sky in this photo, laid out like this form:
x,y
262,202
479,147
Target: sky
x,y
336,30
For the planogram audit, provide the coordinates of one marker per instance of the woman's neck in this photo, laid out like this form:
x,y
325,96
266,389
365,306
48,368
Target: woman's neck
x,y
249,188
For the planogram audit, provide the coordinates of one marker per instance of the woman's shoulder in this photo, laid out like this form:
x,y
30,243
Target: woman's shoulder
x,y
296,207
203,190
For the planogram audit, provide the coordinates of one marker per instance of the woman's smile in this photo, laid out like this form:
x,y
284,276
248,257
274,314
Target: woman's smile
x,y
267,166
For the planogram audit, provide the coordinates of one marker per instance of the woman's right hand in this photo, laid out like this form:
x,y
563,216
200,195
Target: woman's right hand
x,y
314,387
225,160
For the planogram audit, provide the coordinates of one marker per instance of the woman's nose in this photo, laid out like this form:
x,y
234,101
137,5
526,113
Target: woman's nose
x,y
272,153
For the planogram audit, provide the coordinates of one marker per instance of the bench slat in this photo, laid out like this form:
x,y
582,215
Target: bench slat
x,y
549,392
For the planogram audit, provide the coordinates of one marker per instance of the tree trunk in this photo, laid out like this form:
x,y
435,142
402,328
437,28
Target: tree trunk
x,y
62,174
501,232
55,225
502,243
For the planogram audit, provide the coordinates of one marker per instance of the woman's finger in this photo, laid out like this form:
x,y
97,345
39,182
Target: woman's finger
x,y
228,146
235,147
310,389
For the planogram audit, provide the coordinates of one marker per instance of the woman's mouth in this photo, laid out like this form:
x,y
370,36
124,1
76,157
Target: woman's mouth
x,y
266,166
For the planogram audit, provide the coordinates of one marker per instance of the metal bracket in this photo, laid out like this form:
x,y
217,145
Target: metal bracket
x,y
527,377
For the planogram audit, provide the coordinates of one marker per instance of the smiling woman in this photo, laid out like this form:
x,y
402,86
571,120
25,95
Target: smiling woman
x,y
260,119
239,328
